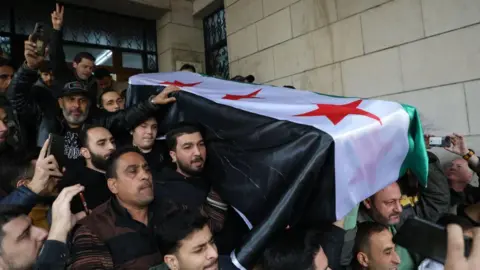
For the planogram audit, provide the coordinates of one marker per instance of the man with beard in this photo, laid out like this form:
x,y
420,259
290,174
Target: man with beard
x,y
76,108
185,185
12,144
119,233
97,146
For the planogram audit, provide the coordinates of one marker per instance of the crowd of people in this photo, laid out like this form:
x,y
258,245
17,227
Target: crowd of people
x,y
85,183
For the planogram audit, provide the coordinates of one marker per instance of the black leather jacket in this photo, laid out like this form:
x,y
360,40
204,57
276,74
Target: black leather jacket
x,y
19,95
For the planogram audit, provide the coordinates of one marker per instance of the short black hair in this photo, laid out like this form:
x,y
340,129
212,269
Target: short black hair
x,y
188,67
9,212
83,135
81,55
362,238
293,249
176,224
179,130
101,73
99,100
111,171
14,172
289,86
45,67
6,62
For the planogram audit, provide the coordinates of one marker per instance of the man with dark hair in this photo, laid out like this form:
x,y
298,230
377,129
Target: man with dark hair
x,y
97,144
6,74
75,106
46,74
12,135
374,248
104,79
111,101
83,62
189,68
20,241
103,239
295,249
247,79
186,241
186,185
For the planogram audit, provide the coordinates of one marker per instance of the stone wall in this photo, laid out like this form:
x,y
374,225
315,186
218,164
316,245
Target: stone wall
x,y
420,52
180,38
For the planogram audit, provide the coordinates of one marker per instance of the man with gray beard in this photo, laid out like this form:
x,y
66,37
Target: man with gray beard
x,y
75,108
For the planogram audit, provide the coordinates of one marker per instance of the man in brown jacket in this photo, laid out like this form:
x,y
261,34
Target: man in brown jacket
x,y
118,234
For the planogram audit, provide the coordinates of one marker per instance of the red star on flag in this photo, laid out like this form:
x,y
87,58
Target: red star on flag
x,y
181,84
237,97
336,113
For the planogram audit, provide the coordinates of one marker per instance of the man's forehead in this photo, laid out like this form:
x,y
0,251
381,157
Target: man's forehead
x,y
110,95
131,158
17,225
99,133
6,69
459,161
389,192
381,240
197,238
191,137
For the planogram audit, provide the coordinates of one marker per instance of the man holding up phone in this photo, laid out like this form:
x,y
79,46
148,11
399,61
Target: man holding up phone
x,y
76,107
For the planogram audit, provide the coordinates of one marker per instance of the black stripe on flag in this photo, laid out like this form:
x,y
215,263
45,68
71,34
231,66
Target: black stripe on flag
x,y
277,173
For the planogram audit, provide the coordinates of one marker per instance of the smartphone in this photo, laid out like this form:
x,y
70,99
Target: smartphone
x,y
57,149
39,37
426,238
439,141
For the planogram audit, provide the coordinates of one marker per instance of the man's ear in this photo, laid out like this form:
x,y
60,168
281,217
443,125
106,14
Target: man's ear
x,y
22,182
173,155
112,185
85,153
362,259
75,65
171,261
368,203
60,102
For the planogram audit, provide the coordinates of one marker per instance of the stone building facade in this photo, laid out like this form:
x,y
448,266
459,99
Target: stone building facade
x,y
421,52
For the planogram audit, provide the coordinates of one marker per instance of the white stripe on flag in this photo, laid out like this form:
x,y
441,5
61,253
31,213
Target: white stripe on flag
x,y
369,151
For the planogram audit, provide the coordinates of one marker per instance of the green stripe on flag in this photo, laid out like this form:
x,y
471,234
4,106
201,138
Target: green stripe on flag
x,y
417,159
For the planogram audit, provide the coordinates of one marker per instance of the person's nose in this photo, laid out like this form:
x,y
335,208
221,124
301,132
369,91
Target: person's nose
x,y
398,207
196,151
9,80
212,253
39,234
111,146
3,127
395,258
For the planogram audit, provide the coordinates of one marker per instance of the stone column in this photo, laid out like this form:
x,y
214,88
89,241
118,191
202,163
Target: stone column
x,y
180,38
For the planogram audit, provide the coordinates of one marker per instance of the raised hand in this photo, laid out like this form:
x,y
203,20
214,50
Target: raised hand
x,y
33,59
456,250
47,174
57,17
162,98
62,218
458,145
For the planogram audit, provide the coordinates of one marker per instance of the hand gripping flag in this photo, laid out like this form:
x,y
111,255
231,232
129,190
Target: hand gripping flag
x,y
281,156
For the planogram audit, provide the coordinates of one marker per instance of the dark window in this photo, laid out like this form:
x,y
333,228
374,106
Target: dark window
x,y
118,41
216,52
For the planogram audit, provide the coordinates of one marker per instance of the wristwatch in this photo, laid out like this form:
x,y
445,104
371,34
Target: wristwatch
x,y
468,155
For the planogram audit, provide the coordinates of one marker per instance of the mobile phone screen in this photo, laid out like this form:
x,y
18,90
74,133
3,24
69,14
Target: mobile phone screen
x,y
426,238
57,149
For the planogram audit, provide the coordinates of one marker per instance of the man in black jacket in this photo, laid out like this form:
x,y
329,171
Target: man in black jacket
x,y
75,105
83,62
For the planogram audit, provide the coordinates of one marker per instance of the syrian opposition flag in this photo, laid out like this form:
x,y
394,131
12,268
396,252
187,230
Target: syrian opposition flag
x,y
282,157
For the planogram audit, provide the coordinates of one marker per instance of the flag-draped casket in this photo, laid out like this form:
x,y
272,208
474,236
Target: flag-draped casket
x,y
281,156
